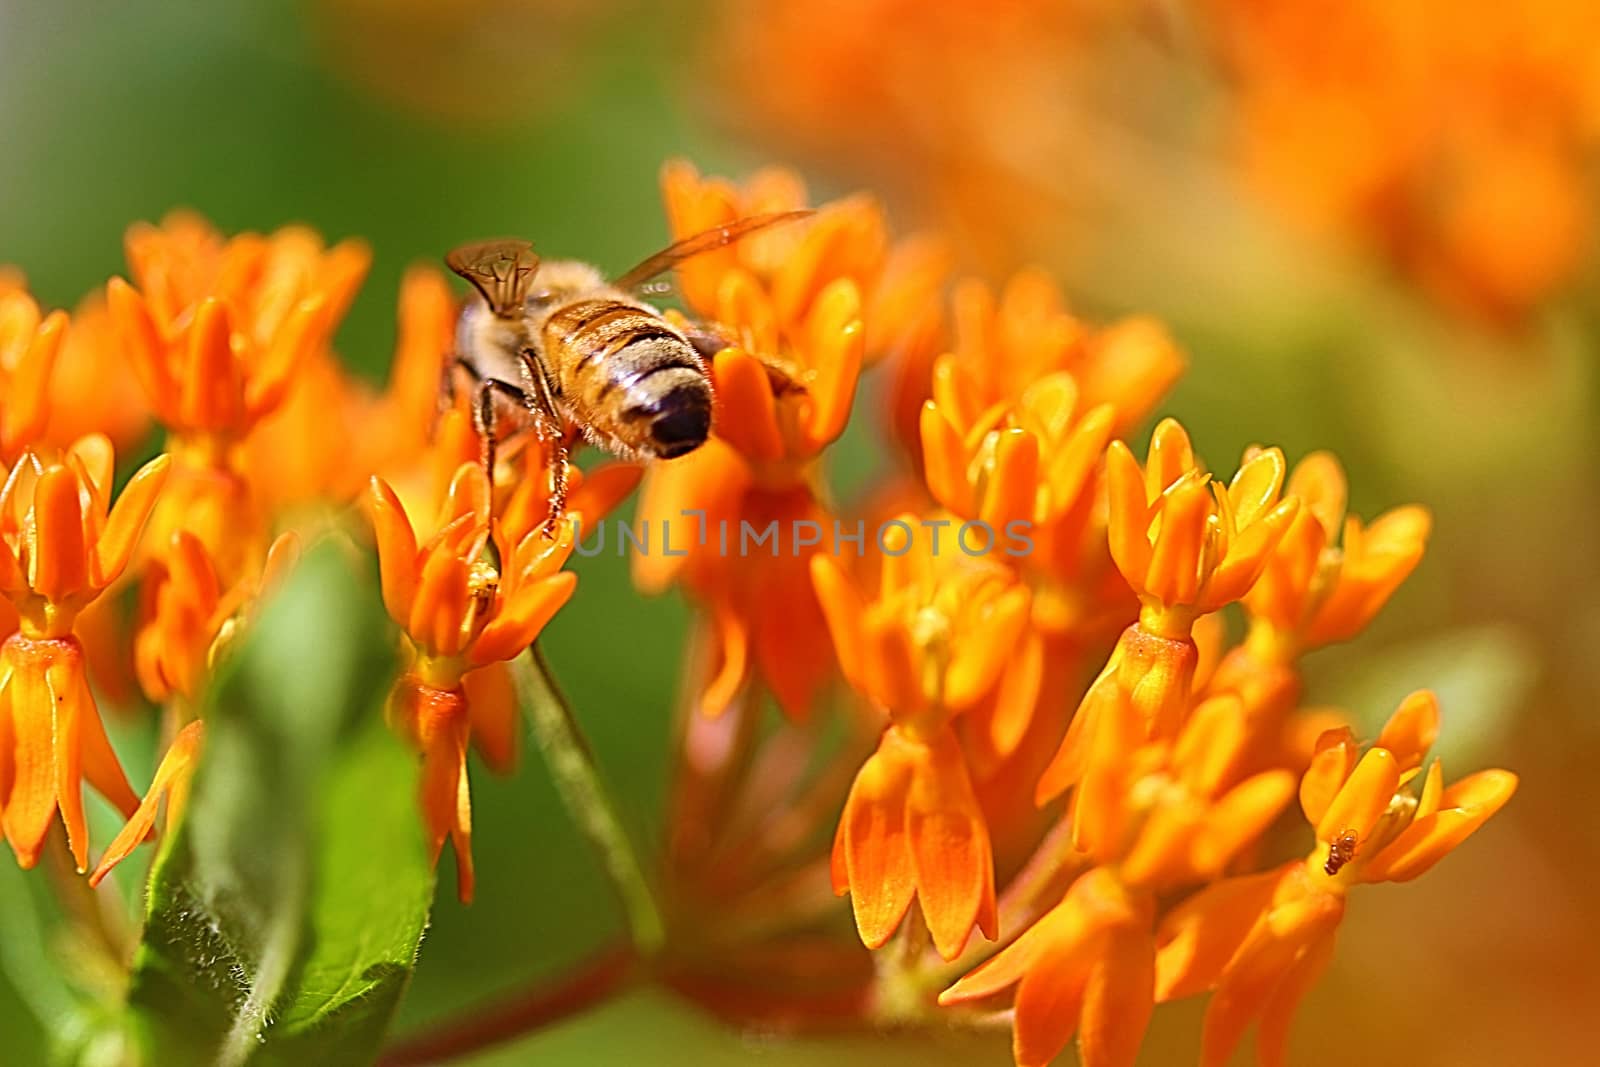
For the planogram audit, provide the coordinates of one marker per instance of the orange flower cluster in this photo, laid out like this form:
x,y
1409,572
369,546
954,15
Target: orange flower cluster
x,y
1013,788
1468,164
791,305
1004,140
1042,736
227,345
1454,141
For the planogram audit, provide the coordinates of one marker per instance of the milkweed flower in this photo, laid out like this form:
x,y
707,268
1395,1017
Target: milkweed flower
x,y
1318,588
1327,578
789,306
29,344
929,645
189,614
1019,414
62,542
1188,546
93,389
219,332
1004,344
1151,817
1261,941
1086,967
461,616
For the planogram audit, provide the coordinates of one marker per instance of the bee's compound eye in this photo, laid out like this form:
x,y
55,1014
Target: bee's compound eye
x,y
683,421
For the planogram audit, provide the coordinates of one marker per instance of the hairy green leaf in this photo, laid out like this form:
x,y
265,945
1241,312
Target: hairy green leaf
x,y
284,914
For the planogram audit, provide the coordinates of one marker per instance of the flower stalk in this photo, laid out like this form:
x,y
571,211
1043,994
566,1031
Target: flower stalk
x,y
570,759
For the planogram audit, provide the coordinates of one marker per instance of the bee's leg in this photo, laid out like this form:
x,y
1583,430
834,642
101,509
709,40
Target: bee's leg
x,y
484,420
558,488
541,391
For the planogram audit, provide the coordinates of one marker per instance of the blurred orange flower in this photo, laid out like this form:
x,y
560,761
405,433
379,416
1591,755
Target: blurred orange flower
x,y
1466,164
61,543
29,344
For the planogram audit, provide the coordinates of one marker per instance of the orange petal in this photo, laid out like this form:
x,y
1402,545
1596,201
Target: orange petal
x,y
837,343
1067,766
891,665
397,550
293,342
1432,790
1319,482
1171,456
732,643
178,762
27,408
1248,556
877,853
1129,522
127,520
492,705
27,809
1467,805
441,604
1211,744
1330,767
67,695
60,561
1411,730
211,392
949,848
1174,574
1200,935
1119,1000
1239,817
1013,484
519,622
745,414
1255,487
141,340
603,489
1063,928
1050,1001
842,609
1018,695
101,766
1272,1035
992,641
1266,959
1363,798
1101,807
944,460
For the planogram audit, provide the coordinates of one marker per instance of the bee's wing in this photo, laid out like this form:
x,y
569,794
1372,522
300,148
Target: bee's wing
x,y
705,241
500,270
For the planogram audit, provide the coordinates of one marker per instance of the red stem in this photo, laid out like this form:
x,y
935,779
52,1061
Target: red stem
x,y
593,982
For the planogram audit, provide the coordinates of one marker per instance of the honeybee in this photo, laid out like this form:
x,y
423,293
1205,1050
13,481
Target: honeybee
x,y
552,342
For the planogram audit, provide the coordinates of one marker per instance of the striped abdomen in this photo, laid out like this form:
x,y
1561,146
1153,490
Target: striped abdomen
x,y
629,376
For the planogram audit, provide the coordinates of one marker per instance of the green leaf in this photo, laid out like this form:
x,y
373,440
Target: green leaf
x,y
284,914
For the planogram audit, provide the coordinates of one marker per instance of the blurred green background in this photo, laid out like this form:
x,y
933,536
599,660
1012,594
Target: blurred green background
x,y
257,114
